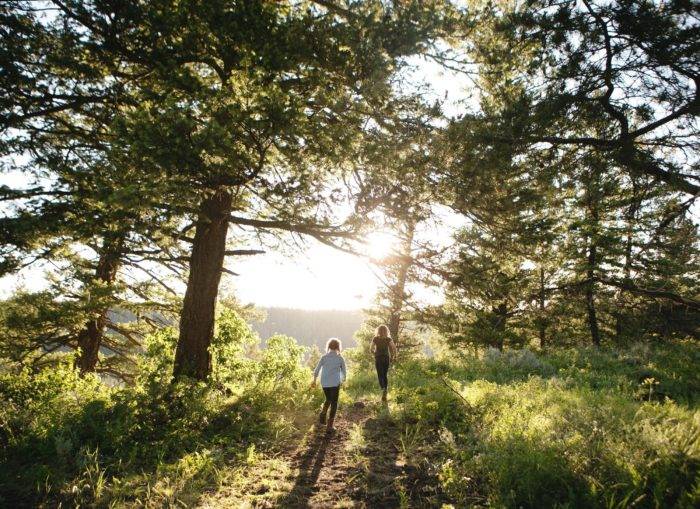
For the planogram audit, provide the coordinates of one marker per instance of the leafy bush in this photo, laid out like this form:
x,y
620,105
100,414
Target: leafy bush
x,y
77,441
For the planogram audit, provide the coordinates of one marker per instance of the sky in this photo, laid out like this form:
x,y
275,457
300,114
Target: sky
x,y
321,277
315,276
324,278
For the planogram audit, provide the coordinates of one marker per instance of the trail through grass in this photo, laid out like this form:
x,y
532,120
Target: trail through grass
x,y
518,429
362,464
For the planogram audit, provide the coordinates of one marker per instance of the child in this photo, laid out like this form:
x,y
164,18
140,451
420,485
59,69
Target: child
x,y
384,351
333,373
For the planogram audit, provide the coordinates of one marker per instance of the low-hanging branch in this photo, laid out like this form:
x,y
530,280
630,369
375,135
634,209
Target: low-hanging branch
x,y
280,224
650,292
243,252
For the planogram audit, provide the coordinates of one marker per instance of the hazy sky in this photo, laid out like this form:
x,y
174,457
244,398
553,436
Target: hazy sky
x,y
314,277
320,278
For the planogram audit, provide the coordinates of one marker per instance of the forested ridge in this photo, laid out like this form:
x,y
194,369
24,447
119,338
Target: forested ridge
x,y
146,148
310,326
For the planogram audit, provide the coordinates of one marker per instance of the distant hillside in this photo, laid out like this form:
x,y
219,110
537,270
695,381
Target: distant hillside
x,y
308,327
311,327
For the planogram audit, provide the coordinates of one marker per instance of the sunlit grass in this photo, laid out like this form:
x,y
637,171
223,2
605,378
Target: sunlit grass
x,y
574,427
568,428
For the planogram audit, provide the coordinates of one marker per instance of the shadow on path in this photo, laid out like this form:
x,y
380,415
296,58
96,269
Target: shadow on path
x,y
381,486
330,474
310,466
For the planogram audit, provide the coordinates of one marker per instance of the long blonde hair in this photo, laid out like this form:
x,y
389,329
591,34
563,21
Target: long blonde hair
x,y
383,331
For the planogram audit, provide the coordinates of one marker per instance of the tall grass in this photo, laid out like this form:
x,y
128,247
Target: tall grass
x,y
572,428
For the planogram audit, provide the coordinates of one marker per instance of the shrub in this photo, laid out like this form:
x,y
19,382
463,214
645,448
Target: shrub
x,y
76,441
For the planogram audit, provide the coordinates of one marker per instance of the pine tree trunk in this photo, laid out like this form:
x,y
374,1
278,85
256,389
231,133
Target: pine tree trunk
x,y
398,289
620,301
542,324
90,338
192,356
500,324
590,296
394,325
630,217
593,202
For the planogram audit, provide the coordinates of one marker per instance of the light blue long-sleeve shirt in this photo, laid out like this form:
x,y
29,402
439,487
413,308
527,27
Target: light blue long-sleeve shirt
x,y
332,369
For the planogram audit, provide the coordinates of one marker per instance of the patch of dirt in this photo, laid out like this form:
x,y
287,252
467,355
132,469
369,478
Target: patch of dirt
x,y
323,466
360,465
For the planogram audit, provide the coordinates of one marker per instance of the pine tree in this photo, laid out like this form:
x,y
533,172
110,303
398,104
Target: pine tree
x,y
559,146
78,209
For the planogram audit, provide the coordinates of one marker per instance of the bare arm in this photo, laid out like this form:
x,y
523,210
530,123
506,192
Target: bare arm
x,y
373,346
392,349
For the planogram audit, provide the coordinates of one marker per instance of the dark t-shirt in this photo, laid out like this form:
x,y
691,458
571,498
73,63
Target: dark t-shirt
x,y
382,346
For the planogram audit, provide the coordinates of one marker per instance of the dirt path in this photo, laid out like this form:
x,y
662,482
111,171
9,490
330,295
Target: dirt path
x,y
321,466
360,465
354,467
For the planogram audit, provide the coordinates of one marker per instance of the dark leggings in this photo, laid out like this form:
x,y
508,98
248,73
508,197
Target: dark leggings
x,y
382,365
331,400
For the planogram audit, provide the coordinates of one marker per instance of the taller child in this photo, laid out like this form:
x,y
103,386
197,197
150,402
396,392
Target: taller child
x,y
333,373
384,351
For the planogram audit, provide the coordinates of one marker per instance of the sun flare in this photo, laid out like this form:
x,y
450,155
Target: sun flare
x,y
380,244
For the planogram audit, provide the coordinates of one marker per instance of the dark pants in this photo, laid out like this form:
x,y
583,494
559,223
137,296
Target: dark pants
x,y
331,400
382,365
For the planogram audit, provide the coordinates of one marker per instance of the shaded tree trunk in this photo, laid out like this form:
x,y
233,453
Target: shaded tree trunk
x,y
394,325
591,263
90,338
590,295
542,325
630,219
398,289
192,356
620,301
500,321
593,196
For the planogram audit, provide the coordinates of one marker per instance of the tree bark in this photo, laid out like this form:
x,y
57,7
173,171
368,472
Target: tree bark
x,y
630,219
593,201
500,322
620,301
398,289
90,338
192,356
542,323
590,295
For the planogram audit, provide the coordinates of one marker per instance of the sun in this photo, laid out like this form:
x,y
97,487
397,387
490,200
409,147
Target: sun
x,y
380,244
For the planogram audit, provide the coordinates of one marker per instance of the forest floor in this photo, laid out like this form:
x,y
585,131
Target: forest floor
x,y
361,464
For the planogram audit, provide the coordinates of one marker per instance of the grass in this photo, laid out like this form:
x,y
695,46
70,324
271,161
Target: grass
x,y
568,428
72,441
572,428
